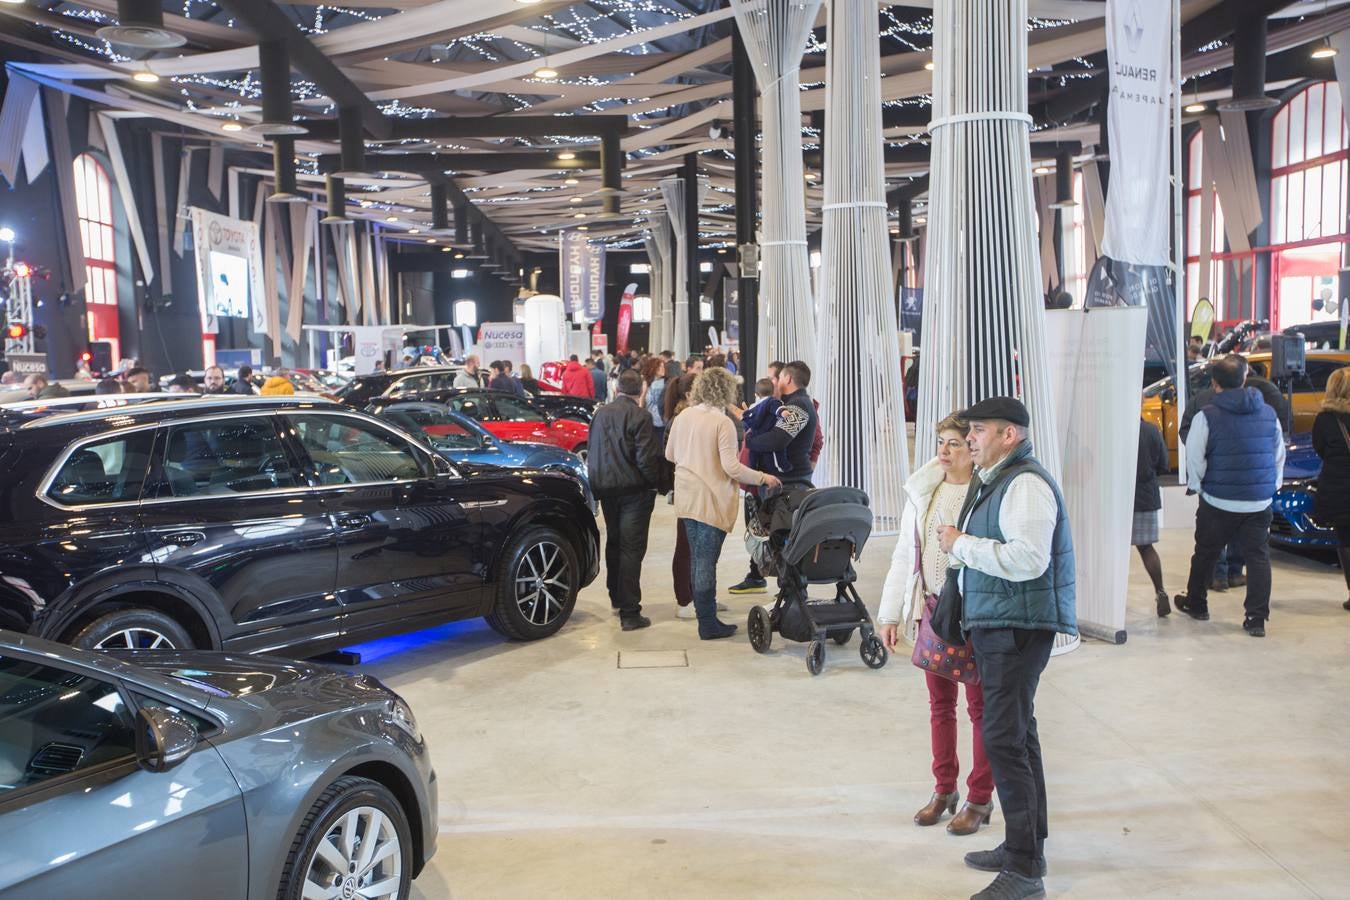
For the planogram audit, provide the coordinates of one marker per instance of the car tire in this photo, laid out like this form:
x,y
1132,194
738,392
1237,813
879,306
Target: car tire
x,y
538,560
133,628
580,450
364,806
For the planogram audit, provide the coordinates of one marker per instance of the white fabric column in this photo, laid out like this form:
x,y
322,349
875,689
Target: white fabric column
x,y
775,34
984,324
672,191
663,304
654,289
859,381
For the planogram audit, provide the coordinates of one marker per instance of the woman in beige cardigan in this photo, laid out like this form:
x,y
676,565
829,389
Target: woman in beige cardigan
x,y
701,442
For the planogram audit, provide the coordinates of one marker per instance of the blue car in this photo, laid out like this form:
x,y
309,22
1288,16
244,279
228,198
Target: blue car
x,y
464,440
1292,524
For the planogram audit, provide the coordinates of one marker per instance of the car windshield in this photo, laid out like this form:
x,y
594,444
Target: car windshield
x,y
1199,381
362,389
440,429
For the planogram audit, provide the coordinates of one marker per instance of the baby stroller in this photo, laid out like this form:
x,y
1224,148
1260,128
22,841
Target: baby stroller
x,y
813,536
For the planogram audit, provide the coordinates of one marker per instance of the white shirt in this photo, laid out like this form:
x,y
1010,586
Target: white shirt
x,y
1027,520
1197,465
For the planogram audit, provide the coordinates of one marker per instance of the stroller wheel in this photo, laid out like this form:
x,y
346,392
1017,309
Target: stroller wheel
x,y
842,639
873,652
815,657
759,629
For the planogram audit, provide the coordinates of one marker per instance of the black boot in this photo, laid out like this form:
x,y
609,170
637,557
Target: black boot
x,y
1343,554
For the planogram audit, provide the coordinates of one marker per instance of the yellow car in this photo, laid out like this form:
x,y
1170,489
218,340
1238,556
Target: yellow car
x,y
1160,403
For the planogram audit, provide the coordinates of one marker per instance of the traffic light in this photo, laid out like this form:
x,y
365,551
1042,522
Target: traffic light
x,y
16,331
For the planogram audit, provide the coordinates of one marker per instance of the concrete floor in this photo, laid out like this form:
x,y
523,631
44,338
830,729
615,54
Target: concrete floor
x,y
1193,761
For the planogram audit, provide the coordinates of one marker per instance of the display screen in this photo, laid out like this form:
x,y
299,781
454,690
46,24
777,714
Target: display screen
x,y
229,285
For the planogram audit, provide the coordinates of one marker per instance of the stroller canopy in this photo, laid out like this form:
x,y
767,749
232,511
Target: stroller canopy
x,y
829,514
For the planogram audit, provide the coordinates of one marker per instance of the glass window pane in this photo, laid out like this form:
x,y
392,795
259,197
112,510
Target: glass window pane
x,y
222,458
466,313
1331,204
108,471
347,451
104,197
1312,203
1294,224
1197,145
1218,237
1278,210
1335,125
1314,141
1280,139
1297,108
107,244
1193,226
1192,287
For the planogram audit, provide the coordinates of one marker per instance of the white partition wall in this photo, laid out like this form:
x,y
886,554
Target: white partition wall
x,y
984,322
775,33
656,279
858,380
672,191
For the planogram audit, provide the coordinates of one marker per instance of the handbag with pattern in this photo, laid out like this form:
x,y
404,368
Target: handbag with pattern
x,y
955,662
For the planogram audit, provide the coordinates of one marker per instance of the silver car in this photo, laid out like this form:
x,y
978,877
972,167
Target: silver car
x,y
205,775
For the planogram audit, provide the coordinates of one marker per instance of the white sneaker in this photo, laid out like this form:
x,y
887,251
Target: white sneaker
x,y
686,612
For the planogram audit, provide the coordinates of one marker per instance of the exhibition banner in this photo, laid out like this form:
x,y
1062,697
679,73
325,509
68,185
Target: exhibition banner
x,y
625,318
731,312
583,283
502,340
1139,50
1095,355
229,271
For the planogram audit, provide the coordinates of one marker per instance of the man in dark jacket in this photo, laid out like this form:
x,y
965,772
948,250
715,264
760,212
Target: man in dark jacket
x,y
1016,556
622,464
795,430
1235,462
598,378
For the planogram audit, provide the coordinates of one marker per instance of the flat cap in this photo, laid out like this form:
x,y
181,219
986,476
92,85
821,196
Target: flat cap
x,y
1008,409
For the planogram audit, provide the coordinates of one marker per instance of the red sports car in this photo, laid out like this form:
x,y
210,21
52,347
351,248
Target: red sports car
x,y
513,418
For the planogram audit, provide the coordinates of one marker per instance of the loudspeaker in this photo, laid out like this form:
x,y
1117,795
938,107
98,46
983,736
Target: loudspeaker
x,y
100,357
1288,355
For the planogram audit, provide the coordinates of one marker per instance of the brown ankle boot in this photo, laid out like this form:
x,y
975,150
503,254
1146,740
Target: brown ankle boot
x,y
970,818
939,805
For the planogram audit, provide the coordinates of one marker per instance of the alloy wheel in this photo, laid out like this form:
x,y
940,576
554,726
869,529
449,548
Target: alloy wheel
x,y
360,858
135,639
543,582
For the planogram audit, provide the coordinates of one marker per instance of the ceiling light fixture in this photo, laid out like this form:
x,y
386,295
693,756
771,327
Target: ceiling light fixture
x,y
571,182
231,125
1041,170
391,218
1324,50
576,199
546,73
140,24
579,215
1195,108
566,154
414,231
431,240
928,65
144,76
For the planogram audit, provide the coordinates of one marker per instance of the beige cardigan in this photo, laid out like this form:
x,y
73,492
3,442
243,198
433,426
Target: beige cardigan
x,y
701,441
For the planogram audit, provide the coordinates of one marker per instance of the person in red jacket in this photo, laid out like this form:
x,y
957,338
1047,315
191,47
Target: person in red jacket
x,y
576,379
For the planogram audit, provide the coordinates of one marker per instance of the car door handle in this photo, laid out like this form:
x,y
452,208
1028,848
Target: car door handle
x,y
184,538
354,521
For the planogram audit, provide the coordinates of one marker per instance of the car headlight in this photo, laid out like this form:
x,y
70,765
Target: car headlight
x,y
401,716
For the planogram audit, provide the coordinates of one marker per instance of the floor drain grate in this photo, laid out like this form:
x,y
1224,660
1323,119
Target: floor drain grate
x,y
653,659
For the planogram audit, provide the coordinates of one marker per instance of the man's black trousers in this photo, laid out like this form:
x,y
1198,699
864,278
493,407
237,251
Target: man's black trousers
x,y
1010,662
627,519
1214,529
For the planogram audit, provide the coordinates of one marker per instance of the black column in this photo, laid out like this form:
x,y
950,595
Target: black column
x,y
743,128
690,176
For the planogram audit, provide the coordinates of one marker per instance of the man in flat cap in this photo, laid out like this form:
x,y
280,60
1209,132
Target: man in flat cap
x,y
1017,581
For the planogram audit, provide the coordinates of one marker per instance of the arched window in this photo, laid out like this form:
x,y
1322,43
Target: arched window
x,y
1198,193
93,205
466,313
642,308
1308,174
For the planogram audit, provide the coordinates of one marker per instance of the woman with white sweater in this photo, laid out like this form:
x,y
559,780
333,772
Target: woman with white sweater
x,y
934,497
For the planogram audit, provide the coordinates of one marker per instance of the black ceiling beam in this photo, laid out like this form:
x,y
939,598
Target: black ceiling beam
x,y
920,153
453,127
455,162
269,22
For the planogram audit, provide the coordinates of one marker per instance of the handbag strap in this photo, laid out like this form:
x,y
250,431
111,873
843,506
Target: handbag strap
x,y
1345,435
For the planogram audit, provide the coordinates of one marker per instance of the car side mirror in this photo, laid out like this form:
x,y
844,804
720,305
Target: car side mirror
x,y
442,468
163,738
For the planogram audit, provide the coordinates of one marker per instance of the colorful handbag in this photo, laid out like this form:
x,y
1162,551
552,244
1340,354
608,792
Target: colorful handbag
x,y
955,662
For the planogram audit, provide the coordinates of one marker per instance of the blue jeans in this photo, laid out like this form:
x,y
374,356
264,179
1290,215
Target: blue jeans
x,y
1230,563
705,548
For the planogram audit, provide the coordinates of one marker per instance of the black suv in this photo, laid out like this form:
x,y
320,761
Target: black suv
x,y
260,524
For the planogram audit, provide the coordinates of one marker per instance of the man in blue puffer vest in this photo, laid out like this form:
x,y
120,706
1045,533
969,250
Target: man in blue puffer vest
x,y
1235,461
1017,580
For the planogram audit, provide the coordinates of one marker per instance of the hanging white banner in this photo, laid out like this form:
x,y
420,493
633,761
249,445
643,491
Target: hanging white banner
x,y
229,270
1138,48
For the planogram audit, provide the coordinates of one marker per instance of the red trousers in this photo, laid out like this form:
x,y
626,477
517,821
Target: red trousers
x,y
942,697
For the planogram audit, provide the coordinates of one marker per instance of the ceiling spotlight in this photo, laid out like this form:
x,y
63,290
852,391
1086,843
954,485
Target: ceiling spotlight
x,y
583,228
1041,170
431,240
571,182
391,218
545,73
145,76
920,220
446,249
895,231
811,176
1323,50
721,249
580,215
1195,108
414,231
928,65
528,2
458,255
566,154
140,24
15,2
576,199
231,125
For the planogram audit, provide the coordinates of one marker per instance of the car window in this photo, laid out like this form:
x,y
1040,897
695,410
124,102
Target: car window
x,y
225,456
511,409
439,429
349,451
106,471
1319,372
475,406
54,722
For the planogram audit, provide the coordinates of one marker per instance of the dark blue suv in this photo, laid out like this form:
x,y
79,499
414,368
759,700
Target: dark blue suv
x,y
267,524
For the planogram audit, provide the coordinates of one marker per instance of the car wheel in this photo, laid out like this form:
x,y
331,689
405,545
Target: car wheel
x,y
354,842
580,450
133,629
537,585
